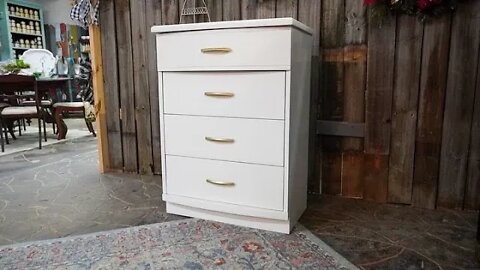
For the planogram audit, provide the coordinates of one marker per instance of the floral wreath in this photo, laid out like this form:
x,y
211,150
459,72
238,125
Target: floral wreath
x,y
421,8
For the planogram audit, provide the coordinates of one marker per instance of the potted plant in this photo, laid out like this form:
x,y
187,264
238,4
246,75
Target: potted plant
x,y
15,67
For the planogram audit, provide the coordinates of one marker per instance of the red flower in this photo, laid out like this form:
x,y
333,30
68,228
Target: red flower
x,y
252,247
371,2
426,4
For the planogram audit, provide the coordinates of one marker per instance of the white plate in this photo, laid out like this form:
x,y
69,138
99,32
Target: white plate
x,y
40,60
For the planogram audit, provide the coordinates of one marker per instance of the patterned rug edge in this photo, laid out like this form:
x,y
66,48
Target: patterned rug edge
x,y
302,229
298,229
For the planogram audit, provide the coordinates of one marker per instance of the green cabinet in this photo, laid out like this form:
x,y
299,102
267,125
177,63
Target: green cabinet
x,y
21,28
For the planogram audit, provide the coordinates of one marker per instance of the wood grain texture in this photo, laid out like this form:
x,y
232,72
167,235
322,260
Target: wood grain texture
x,y
309,13
215,9
459,102
430,111
153,16
231,10
99,96
110,68
353,174
404,112
126,83
332,34
170,11
354,84
472,195
287,8
140,38
331,172
254,9
381,58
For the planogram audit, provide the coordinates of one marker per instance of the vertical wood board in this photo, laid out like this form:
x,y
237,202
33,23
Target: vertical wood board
x,y
354,84
430,111
154,17
459,102
110,68
381,52
404,112
126,83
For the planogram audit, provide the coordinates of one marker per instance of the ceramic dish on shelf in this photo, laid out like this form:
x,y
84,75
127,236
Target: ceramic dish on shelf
x,y
40,60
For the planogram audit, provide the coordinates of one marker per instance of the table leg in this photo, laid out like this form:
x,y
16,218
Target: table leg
x,y
61,126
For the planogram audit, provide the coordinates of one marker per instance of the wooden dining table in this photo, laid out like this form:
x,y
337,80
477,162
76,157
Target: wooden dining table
x,y
52,87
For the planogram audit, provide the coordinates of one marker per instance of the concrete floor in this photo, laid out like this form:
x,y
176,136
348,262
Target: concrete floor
x,y
57,191
29,138
380,236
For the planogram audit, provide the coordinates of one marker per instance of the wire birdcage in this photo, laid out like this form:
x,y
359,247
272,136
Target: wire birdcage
x,y
193,10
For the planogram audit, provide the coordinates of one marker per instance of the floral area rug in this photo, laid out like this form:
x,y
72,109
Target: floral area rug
x,y
181,244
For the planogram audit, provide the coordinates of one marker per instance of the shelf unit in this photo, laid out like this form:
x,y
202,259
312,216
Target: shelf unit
x,y
9,38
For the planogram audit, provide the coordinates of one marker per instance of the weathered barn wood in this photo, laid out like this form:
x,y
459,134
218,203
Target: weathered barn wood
x,y
472,196
381,59
140,38
126,84
428,140
153,16
404,111
110,68
309,12
457,122
413,88
332,36
355,71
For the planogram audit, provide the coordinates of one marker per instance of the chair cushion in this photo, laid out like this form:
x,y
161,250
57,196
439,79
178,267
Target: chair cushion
x,y
19,110
32,103
78,104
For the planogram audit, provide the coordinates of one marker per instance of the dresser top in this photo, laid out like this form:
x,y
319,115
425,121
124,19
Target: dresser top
x,y
232,24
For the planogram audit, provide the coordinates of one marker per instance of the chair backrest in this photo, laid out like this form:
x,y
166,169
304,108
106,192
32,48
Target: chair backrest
x,y
17,82
20,83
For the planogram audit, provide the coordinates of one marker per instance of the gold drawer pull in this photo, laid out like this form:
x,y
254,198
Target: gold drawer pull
x,y
219,94
216,50
220,140
220,183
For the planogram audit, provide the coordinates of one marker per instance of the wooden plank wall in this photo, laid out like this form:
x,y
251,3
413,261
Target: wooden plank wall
x,y
413,87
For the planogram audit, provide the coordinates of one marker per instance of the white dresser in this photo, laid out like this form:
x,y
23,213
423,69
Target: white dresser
x,y
234,118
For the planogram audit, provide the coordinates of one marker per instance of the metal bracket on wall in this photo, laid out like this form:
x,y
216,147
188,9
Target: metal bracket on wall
x,y
342,129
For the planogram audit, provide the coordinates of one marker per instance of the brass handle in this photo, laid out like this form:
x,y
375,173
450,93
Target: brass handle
x,y
220,183
220,140
216,50
219,94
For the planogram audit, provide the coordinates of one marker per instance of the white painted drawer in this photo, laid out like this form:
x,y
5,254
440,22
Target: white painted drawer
x,y
248,184
233,94
254,140
249,48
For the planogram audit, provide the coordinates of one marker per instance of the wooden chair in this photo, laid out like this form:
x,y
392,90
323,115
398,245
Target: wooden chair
x,y
20,83
76,109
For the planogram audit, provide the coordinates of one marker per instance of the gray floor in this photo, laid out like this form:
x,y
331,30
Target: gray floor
x,y
57,191
29,138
